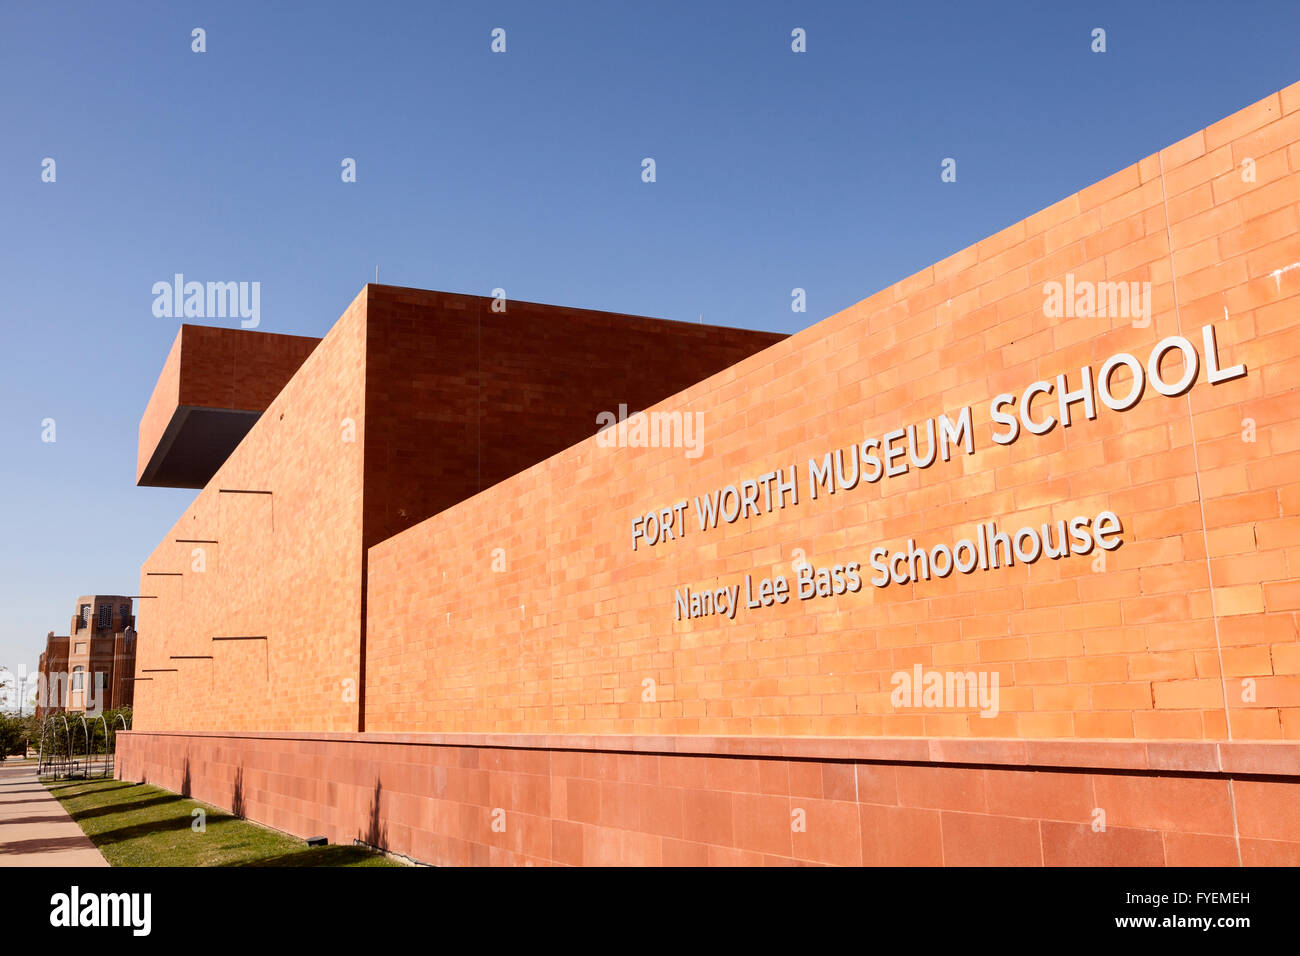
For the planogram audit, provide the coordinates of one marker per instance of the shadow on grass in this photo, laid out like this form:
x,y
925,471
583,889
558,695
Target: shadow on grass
x,y
58,788
116,808
172,824
316,856
152,827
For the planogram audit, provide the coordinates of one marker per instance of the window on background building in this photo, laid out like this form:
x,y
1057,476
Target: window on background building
x,y
126,613
78,678
85,615
106,615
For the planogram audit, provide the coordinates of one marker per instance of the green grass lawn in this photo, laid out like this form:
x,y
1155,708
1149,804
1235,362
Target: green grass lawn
x,y
134,824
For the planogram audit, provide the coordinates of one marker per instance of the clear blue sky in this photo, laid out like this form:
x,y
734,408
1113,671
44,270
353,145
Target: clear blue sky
x,y
521,170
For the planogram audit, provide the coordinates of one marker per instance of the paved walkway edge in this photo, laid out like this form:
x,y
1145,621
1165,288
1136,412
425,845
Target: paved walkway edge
x,y
35,830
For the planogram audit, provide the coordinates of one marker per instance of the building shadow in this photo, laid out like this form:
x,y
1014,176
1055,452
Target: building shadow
x,y
125,807
39,818
58,787
24,803
9,793
376,830
122,834
316,856
187,779
174,824
45,845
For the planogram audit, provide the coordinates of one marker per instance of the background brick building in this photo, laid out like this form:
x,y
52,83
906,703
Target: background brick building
x,y
100,641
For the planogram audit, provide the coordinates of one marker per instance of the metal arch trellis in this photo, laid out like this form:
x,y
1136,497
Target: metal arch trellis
x,y
54,760
66,762
125,726
49,756
40,751
108,767
48,746
69,745
85,730
57,755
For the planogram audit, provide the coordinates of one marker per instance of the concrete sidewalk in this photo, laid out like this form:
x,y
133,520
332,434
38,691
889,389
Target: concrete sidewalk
x,y
35,830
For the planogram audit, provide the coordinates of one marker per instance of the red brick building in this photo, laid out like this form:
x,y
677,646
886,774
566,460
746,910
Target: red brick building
x,y
93,667
454,606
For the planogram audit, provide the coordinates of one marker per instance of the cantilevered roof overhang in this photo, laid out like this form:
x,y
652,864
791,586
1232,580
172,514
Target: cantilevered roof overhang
x,y
214,386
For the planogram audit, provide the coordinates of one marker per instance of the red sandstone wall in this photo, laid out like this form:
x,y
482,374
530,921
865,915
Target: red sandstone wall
x,y
162,404
214,367
445,396
459,397
285,566
651,801
1202,594
228,368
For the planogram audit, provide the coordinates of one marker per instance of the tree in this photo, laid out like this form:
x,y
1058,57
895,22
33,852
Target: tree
x,y
13,735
